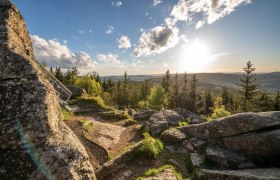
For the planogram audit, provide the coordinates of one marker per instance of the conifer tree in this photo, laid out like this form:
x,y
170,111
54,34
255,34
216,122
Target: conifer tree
x,y
209,104
193,91
125,89
144,90
263,102
166,82
58,74
248,86
276,101
184,93
225,96
174,98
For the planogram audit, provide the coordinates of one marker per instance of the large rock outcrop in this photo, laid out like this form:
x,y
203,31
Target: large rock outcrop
x,y
34,141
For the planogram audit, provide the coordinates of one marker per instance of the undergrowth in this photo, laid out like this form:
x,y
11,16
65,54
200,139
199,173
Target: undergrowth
x,y
154,171
96,101
151,146
66,114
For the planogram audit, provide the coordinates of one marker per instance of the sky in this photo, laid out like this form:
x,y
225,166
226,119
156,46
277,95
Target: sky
x,y
151,36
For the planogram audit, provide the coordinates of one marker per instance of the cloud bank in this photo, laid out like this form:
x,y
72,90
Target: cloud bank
x,y
108,58
54,53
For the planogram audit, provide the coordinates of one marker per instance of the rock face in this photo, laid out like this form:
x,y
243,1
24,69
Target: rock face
x,y
255,135
34,141
234,125
189,116
172,136
246,174
76,91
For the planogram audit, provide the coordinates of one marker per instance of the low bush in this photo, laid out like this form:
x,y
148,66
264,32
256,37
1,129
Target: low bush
x,y
87,125
151,146
66,114
96,101
115,115
152,172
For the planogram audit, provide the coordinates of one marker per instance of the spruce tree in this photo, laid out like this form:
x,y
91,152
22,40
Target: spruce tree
x,y
193,92
184,96
248,86
225,97
276,101
209,104
125,89
58,74
166,82
174,98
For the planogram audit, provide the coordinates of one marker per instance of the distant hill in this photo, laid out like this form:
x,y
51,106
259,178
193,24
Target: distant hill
x,y
266,81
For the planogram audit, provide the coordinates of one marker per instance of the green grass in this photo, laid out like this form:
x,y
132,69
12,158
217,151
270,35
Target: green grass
x,y
154,171
115,115
66,114
95,101
87,125
151,146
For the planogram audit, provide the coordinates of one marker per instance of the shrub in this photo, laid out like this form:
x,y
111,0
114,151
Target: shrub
x,y
96,101
151,146
183,123
115,115
152,172
92,87
66,114
157,98
87,125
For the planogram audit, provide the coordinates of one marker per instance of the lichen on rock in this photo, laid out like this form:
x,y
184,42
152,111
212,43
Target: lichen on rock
x,y
34,141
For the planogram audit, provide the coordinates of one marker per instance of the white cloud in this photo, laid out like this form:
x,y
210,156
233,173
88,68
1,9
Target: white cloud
x,y
124,42
141,30
209,10
180,11
54,53
108,58
81,32
156,2
75,37
157,40
90,30
110,29
117,4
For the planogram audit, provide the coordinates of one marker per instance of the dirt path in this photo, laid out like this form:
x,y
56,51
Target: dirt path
x,y
97,155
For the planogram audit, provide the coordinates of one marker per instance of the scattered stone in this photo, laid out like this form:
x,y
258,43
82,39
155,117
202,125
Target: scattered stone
x,y
76,91
171,149
144,116
197,159
187,115
161,120
188,145
166,174
172,136
227,159
197,143
245,174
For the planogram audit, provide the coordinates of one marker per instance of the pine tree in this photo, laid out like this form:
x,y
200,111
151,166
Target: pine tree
x,y
58,74
174,98
225,97
209,104
193,91
157,98
125,91
263,102
184,93
144,90
166,82
248,86
276,101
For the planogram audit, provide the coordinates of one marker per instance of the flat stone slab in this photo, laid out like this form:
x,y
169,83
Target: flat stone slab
x,y
245,174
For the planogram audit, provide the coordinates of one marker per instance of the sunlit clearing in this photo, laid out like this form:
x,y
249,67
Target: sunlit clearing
x,y
195,57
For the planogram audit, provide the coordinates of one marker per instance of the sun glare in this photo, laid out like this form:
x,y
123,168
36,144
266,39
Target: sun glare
x,y
195,57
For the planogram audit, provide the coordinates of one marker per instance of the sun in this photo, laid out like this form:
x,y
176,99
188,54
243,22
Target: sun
x,y
195,56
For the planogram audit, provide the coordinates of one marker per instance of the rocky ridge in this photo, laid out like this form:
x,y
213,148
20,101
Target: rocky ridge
x,y
34,141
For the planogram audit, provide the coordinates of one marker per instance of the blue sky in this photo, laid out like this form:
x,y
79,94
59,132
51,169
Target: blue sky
x,y
151,36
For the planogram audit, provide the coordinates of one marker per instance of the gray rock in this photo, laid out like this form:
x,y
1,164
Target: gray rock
x,y
233,125
34,141
187,115
144,116
172,136
188,145
197,143
263,147
197,159
161,120
166,174
132,112
227,159
76,91
245,174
